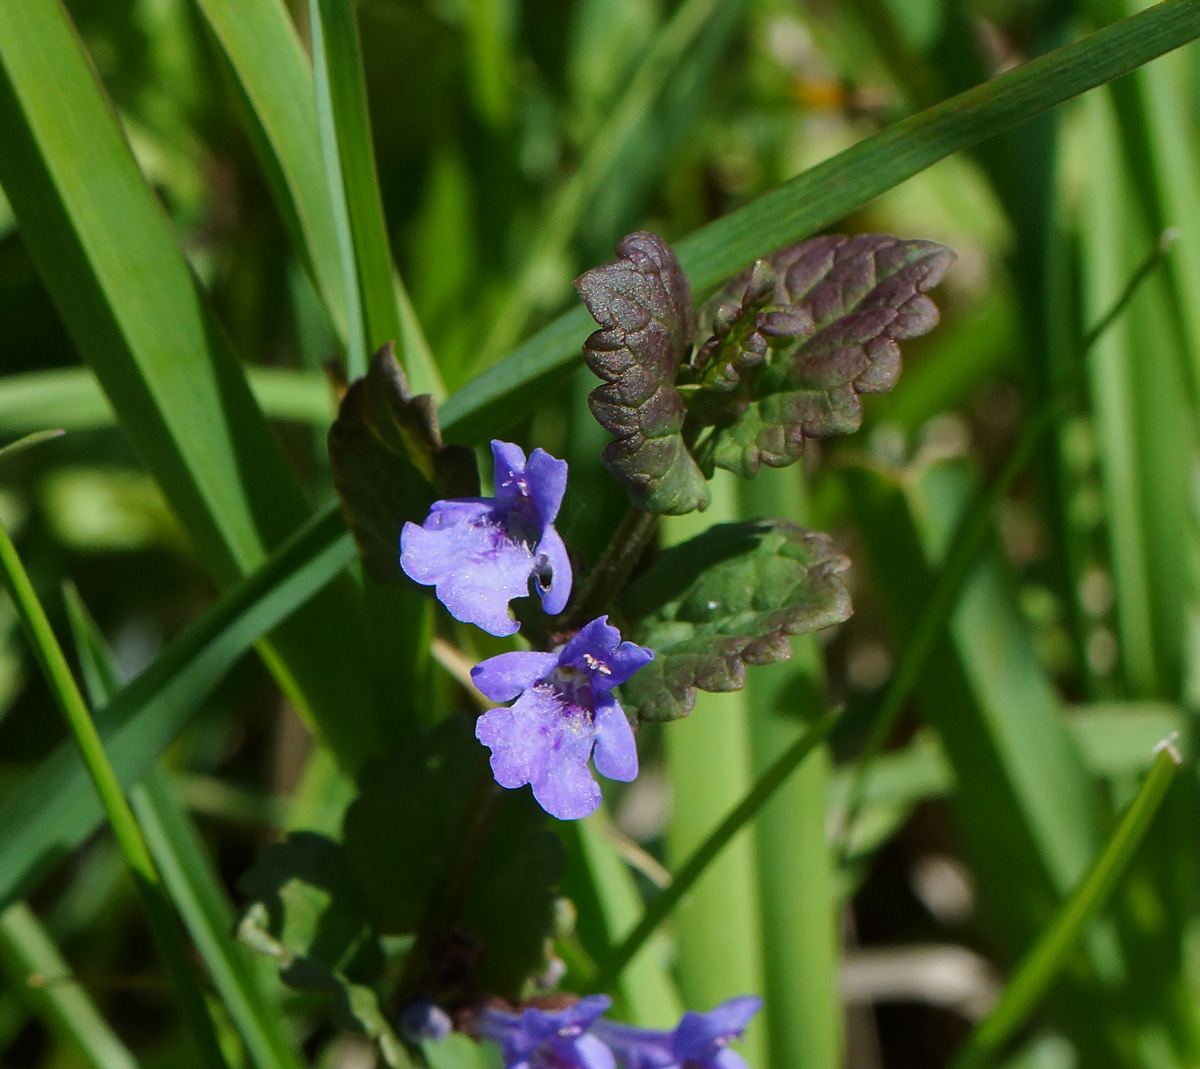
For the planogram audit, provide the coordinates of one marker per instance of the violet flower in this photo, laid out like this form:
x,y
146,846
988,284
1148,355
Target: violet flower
x,y
537,1039
481,552
564,707
701,1040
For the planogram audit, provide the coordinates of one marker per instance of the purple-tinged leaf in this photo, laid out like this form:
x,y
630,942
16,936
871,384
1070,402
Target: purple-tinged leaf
x,y
725,599
389,464
643,303
849,302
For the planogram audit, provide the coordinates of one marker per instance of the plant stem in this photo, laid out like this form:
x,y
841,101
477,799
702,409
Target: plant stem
x,y
614,567
129,838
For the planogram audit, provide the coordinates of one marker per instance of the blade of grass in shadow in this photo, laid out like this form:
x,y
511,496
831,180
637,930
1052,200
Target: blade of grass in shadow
x,y
188,873
345,139
824,194
972,534
53,808
103,247
1048,957
271,71
155,901
801,915
41,978
71,398
571,197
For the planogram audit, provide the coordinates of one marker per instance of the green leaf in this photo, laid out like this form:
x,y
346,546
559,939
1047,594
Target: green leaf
x,y
53,808
272,72
418,817
308,911
643,304
187,871
144,325
308,914
816,325
826,193
725,599
389,464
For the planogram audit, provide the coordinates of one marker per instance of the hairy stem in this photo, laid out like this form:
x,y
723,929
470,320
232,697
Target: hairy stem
x,y
614,567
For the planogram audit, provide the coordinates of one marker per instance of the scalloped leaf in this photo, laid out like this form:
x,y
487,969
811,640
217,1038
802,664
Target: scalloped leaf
x,y
643,303
389,464
862,295
725,599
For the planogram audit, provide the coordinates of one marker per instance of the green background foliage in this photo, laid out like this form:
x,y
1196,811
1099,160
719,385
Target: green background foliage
x,y
214,211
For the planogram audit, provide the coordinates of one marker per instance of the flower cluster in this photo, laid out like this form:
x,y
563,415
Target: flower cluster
x,y
479,553
578,1037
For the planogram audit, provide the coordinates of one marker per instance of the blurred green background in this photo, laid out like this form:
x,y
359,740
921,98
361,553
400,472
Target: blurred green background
x,y
515,142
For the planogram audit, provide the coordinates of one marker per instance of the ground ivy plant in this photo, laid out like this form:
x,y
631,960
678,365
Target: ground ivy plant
x,y
437,908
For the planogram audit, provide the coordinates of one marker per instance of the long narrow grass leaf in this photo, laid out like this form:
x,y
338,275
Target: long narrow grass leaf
x,y
157,905
42,979
692,869
53,809
103,247
188,873
825,193
1051,953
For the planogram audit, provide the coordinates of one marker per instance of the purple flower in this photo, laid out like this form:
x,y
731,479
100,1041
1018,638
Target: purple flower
x,y
480,552
701,1040
564,707
536,1039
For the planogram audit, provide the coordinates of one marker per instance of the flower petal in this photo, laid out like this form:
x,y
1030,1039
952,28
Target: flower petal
x,y
523,738
510,474
551,558
700,1035
475,567
546,484
563,785
506,675
596,640
616,754
625,660
593,1054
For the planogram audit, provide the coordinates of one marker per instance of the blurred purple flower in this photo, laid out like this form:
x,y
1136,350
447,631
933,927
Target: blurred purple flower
x,y
480,552
701,1040
537,1039
564,707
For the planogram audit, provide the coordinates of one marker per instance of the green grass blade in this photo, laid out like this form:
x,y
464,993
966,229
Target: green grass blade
x,y
972,534
157,905
27,952
270,68
644,989
799,902
188,874
342,99
28,442
1050,955
53,809
103,248
571,197
704,853
826,193
71,398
